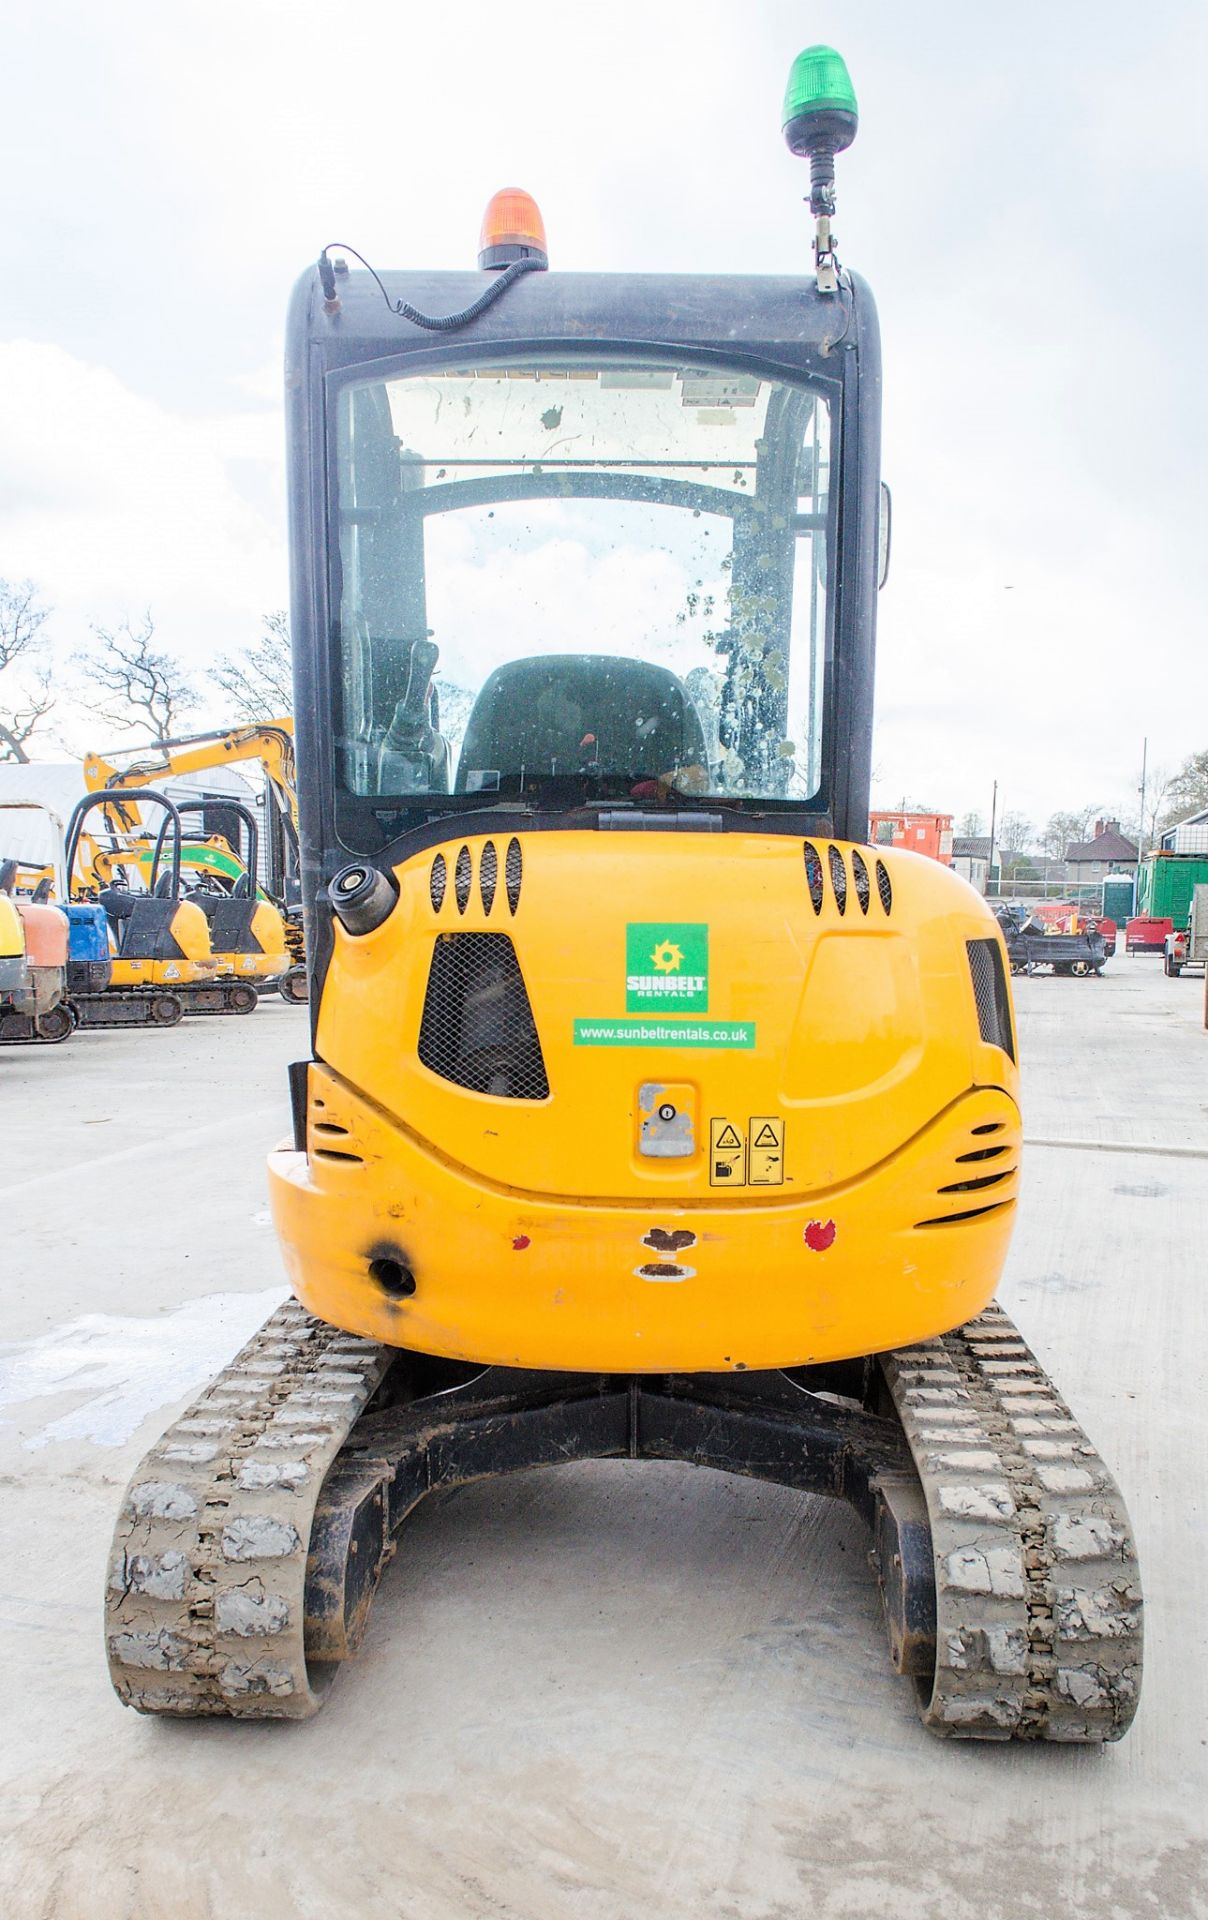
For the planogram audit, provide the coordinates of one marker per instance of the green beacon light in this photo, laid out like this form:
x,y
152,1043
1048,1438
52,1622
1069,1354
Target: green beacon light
x,y
820,119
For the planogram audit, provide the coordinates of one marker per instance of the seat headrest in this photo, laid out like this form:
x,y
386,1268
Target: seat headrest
x,y
579,713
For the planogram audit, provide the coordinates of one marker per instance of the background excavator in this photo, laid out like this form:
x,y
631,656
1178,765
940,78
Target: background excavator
x,y
650,1112
35,963
161,960
33,968
270,746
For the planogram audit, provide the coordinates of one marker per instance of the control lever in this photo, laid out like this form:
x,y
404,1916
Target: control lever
x,y
414,757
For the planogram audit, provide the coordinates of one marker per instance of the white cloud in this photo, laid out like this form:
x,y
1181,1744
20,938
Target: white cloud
x,y
113,504
1025,195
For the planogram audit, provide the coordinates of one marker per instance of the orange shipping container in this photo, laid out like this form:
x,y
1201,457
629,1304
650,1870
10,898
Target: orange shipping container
x,y
929,833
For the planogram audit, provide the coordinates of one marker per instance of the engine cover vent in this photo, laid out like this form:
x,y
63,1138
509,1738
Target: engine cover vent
x,y
438,880
488,875
477,1028
813,875
860,876
884,888
990,992
513,873
838,875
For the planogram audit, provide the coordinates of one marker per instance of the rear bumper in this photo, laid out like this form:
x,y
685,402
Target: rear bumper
x,y
89,976
533,1281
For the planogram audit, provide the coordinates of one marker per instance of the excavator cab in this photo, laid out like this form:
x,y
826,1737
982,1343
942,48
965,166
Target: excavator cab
x,y
649,1111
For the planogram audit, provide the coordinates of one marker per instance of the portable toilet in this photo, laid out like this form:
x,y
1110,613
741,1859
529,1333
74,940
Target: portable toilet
x,y
1118,897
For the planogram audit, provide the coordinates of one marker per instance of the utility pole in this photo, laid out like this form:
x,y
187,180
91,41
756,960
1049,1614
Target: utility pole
x,y
1141,829
993,824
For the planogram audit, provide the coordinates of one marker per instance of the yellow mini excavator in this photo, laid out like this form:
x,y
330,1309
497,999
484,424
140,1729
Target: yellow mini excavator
x,y
270,744
162,961
650,1111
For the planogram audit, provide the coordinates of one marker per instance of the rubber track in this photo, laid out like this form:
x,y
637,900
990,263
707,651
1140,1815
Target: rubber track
x,y
205,1594
92,1009
34,1039
1038,1592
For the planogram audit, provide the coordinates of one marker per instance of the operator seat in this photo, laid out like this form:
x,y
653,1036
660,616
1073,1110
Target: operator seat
x,y
574,713
231,917
142,922
118,903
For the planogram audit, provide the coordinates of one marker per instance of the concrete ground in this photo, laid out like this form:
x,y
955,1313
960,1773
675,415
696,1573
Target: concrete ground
x,y
612,1690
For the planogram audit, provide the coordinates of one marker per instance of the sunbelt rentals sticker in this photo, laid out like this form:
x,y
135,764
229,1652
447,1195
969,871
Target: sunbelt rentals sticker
x,y
666,966
666,972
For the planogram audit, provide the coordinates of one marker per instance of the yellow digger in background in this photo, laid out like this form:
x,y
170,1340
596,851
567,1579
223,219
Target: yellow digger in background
x,y
162,960
268,744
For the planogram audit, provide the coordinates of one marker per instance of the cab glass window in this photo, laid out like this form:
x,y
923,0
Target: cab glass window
x,y
609,581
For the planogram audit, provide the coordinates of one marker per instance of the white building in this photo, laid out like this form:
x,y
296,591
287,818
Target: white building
x,y
971,859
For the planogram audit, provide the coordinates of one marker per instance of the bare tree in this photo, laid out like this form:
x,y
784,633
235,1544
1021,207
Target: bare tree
x,y
1145,827
1014,833
134,685
1064,829
1187,791
22,618
260,681
971,825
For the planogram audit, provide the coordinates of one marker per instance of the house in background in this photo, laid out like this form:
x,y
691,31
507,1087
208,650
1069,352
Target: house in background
x,y
971,859
929,833
1107,851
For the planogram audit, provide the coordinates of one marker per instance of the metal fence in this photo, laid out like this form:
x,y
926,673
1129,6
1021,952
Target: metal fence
x,y
1029,885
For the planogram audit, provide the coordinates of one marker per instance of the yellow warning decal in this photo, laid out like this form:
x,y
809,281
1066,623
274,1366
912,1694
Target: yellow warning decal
x,y
727,1154
766,1157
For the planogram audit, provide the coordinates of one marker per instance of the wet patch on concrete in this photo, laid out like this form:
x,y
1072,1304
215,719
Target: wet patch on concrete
x,y
122,1369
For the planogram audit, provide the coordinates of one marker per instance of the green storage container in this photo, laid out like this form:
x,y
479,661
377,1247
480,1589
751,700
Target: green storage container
x,y
1166,885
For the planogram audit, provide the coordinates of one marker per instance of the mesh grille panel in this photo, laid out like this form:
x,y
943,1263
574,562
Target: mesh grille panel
x,y
461,878
437,881
477,1028
860,875
884,888
488,875
990,993
838,874
813,875
513,869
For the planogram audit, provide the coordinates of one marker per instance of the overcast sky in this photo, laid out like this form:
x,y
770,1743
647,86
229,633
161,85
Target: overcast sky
x,y
1026,197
